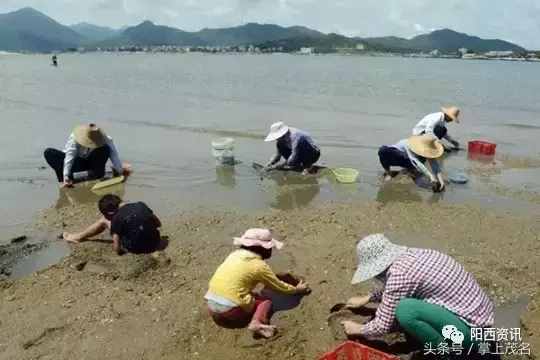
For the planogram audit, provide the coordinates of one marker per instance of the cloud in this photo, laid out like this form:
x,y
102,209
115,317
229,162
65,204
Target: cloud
x,y
419,28
486,18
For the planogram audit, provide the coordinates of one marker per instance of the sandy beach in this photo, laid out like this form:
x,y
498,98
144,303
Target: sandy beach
x,y
95,305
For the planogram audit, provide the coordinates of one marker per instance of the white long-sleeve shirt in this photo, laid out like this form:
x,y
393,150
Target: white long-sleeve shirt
x,y
428,123
403,146
74,150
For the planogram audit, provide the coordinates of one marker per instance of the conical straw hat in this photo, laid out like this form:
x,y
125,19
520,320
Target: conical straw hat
x,y
452,112
427,146
89,136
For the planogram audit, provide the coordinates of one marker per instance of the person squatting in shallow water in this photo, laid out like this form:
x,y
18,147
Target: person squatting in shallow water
x,y
422,290
412,154
232,298
295,146
134,227
87,149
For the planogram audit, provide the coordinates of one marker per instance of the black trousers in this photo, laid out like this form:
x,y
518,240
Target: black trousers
x,y
95,162
307,157
439,131
390,156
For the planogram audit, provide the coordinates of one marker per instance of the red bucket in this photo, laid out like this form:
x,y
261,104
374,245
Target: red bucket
x,y
351,350
482,147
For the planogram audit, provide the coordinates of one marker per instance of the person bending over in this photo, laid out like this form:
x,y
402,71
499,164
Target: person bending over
x,y
296,147
411,154
435,124
424,292
87,149
134,227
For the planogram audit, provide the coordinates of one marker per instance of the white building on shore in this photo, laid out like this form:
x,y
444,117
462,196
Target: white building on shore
x,y
498,54
306,51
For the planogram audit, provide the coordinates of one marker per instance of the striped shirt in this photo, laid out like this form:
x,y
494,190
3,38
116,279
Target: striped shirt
x,y
435,278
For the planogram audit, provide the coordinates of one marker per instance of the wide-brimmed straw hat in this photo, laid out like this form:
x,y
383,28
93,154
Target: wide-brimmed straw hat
x,y
258,237
452,112
375,254
89,136
427,146
277,130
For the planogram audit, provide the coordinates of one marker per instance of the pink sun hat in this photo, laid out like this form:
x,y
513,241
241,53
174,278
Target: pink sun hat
x,y
258,237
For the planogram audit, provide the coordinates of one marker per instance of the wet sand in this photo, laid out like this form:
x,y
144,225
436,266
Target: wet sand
x,y
95,305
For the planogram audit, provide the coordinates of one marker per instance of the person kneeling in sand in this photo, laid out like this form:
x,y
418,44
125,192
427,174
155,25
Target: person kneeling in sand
x,y
133,226
423,291
411,154
231,300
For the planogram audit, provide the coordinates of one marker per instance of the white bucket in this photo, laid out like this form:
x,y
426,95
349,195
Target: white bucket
x,y
223,151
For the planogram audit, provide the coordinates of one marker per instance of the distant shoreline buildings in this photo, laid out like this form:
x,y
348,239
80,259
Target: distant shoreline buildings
x,y
359,49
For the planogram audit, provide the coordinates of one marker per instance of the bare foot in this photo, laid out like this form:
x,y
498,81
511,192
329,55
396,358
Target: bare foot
x,y
72,238
265,331
352,328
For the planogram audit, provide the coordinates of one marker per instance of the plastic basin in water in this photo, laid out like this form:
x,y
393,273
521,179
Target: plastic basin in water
x,y
482,147
345,175
458,178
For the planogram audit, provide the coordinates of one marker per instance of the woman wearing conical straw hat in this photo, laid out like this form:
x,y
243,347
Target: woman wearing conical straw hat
x,y
412,154
87,149
435,124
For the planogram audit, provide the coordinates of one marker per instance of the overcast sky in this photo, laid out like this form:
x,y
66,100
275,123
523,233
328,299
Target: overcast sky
x,y
517,21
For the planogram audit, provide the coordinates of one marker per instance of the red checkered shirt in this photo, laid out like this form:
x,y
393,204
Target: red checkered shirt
x,y
435,278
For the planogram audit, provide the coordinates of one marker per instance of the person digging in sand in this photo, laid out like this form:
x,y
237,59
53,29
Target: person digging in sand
x,y
435,124
87,149
423,291
231,298
411,154
133,226
296,147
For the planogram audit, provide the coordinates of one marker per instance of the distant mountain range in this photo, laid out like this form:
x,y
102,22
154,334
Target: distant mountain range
x,y
29,30
93,33
446,40
148,34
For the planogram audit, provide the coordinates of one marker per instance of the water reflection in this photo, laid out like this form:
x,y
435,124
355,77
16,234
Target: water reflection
x,y
293,190
83,195
226,176
406,192
294,197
